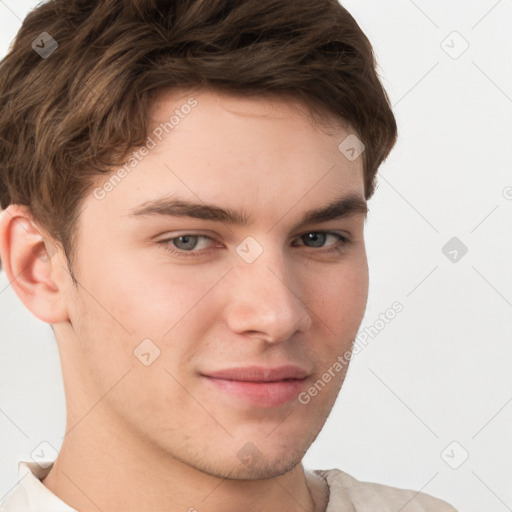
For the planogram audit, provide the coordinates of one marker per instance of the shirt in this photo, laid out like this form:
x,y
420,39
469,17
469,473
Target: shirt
x,y
346,494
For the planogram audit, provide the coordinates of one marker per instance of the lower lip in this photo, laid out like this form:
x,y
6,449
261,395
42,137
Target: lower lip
x,y
261,394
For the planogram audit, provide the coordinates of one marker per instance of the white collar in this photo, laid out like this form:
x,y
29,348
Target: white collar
x,y
30,495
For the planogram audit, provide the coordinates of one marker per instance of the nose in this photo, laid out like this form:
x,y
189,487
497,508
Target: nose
x,y
266,300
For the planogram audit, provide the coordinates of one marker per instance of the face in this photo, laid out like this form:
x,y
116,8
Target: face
x,y
187,311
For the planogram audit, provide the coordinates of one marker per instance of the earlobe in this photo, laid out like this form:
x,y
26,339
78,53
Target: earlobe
x,y
30,262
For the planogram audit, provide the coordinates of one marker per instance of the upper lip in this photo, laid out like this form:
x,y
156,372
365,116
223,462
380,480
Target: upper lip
x,y
259,373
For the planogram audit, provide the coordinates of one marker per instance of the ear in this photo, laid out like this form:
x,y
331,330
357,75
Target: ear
x,y
33,265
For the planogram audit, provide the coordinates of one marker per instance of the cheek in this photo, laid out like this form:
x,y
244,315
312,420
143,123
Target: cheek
x,y
141,303
341,301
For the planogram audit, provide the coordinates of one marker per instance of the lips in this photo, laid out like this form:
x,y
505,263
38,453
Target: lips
x,y
260,373
259,386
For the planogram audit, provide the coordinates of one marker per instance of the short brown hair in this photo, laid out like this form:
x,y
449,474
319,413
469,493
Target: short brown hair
x,y
69,117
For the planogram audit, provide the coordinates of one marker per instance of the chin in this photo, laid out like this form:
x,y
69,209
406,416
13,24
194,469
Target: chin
x,y
262,469
249,462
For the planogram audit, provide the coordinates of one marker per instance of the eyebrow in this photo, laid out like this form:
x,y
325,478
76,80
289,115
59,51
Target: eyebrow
x,y
342,207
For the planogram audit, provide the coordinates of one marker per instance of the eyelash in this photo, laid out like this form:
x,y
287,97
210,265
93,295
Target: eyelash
x,y
337,247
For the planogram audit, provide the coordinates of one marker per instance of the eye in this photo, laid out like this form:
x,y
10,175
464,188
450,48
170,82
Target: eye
x,y
186,245
187,242
317,239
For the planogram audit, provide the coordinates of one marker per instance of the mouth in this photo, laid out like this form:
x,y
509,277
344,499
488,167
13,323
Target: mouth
x,y
259,386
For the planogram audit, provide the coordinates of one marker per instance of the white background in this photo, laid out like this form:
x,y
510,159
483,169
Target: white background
x,y
440,371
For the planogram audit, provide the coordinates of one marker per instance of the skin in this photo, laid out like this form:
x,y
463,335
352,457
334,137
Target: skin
x,y
158,437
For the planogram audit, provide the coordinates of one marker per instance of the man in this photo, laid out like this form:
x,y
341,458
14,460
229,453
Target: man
x,y
184,203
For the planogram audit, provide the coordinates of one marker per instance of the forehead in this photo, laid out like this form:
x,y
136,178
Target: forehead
x,y
263,153
264,104
242,125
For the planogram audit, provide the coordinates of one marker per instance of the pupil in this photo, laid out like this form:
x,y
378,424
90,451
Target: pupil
x,y
186,241
316,238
